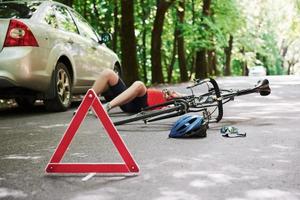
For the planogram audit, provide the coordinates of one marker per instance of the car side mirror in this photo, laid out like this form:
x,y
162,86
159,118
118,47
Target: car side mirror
x,y
105,37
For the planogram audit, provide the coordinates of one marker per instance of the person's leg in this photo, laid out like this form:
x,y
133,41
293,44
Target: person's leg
x,y
137,89
107,78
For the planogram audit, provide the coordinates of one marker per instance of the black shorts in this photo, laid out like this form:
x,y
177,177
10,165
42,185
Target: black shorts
x,y
133,106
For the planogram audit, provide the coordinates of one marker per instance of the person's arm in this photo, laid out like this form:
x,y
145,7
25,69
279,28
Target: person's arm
x,y
170,94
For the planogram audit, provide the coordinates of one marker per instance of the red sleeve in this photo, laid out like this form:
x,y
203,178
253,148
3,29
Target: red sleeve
x,y
154,97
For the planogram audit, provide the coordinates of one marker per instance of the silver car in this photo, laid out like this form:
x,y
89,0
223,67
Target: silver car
x,y
49,52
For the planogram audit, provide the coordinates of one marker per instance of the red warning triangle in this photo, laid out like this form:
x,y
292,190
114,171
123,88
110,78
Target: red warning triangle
x,y
54,165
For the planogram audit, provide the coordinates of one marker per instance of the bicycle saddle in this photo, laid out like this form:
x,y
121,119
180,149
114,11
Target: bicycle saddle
x,y
263,88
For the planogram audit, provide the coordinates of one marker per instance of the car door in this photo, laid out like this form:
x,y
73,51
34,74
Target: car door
x,y
75,46
98,55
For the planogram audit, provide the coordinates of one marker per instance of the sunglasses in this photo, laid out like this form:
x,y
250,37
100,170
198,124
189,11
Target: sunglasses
x,y
230,131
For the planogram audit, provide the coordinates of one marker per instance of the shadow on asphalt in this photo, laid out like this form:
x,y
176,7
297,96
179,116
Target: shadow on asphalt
x,y
108,178
38,109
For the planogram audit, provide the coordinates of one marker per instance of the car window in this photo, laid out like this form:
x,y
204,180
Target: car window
x,y
18,10
50,18
84,28
64,20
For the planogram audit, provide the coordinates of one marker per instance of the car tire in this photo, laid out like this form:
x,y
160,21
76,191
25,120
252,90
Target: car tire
x,y
25,102
62,87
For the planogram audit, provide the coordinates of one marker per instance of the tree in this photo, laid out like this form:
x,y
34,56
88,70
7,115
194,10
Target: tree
x,y
116,26
227,52
268,33
201,60
180,40
145,10
173,59
205,37
156,42
227,20
128,42
68,2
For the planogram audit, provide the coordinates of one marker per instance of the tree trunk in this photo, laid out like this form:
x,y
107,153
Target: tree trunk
x,y
193,54
85,10
206,7
95,9
128,42
209,61
68,3
201,64
289,68
210,58
171,66
216,72
180,39
244,64
228,51
201,59
193,12
283,51
291,65
145,15
156,43
116,27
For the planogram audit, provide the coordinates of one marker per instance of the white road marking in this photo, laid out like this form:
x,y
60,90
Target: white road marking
x,y
89,176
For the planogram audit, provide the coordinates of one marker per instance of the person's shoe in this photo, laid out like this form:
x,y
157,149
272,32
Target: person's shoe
x,y
107,107
90,112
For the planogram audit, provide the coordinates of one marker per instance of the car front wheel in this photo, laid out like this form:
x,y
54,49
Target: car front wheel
x,y
62,88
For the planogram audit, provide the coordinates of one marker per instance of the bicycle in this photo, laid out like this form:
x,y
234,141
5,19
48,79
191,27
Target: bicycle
x,y
208,103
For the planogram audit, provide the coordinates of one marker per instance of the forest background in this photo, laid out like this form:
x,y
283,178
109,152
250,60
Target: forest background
x,y
171,41
162,41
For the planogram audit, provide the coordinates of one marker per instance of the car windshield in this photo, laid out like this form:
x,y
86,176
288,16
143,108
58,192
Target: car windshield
x,y
18,9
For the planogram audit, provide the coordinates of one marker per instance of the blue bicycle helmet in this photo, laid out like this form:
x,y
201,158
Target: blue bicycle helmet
x,y
189,126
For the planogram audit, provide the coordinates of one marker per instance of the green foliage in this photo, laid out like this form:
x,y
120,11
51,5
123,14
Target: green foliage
x,y
99,13
227,19
251,24
237,67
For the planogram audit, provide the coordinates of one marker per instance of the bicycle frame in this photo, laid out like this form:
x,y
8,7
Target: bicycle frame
x,y
192,103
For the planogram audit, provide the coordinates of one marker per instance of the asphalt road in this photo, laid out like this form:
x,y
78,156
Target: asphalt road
x,y
262,166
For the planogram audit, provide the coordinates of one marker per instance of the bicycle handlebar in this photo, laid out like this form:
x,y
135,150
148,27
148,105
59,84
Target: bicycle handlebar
x,y
262,88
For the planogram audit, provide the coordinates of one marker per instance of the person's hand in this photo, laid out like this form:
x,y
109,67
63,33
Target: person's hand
x,y
171,94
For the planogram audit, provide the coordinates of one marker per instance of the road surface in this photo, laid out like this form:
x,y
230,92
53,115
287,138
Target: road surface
x,y
263,165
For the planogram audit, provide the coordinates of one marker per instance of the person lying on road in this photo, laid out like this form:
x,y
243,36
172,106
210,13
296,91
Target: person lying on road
x,y
130,99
